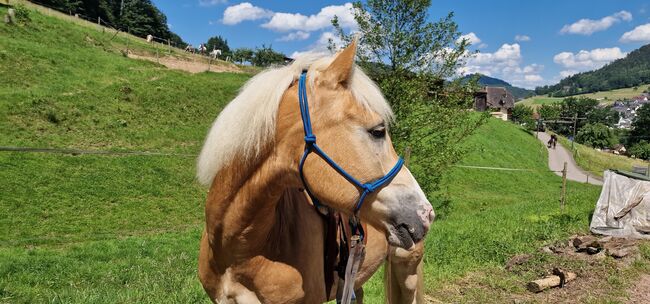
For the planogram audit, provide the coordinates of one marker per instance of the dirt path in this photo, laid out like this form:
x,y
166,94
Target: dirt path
x,y
559,155
189,66
640,292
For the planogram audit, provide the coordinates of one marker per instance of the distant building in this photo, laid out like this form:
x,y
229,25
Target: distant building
x,y
497,100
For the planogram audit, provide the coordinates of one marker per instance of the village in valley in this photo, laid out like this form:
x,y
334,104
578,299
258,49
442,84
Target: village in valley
x,y
380,151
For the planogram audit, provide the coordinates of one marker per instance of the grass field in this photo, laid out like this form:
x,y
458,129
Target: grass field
x,y
606,97
125,229
597,161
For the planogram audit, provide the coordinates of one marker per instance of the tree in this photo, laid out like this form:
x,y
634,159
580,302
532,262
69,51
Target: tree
x,y
549,111
266,56
411,59
603,115
641,125
218,43
242,55
523,114
596,135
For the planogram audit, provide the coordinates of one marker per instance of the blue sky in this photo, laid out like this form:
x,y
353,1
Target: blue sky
x,y
527,43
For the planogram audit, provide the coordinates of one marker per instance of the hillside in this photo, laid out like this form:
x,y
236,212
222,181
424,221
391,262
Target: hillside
x,y
604,97
628,72
483,80
125,228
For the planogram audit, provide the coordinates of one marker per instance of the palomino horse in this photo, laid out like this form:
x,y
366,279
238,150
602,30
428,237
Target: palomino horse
x,y
264,242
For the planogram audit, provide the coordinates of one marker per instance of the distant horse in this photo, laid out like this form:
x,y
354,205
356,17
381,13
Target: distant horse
x,y
215,53
189,48
264,241
552,142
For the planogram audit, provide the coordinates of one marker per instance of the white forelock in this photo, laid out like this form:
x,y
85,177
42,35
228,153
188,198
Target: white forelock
x,y
247,124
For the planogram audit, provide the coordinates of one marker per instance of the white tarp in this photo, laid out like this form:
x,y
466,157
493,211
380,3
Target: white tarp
x,y
623,209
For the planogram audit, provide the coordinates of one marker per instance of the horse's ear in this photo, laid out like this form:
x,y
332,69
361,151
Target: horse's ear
x,y
340,69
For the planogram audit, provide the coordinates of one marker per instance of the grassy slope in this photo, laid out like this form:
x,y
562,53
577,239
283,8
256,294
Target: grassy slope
x,y
597,161
605,97
125,229
99,228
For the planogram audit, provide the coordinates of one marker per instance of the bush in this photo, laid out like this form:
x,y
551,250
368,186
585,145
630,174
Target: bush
x,y
641,150
22,14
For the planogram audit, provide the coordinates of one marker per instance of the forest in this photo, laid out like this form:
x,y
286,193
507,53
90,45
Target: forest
x,y
631,71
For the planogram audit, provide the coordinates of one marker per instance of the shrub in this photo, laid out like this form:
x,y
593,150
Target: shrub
x,y
22,14
641,150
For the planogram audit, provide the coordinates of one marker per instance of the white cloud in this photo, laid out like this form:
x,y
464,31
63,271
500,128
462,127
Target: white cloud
x,y
299,35
640,33
470,37
283,22
505,63
567,73
590,26
522,38
212,2
588,60
320,45
244,11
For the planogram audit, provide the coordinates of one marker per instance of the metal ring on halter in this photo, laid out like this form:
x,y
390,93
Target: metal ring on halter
x,y
312,147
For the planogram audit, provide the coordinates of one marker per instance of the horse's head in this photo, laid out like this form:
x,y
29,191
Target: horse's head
x,y
350,119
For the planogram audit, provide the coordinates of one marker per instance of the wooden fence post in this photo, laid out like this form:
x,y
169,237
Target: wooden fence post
x,y
128,33
563,195
647,172
209,62
169,46
407,156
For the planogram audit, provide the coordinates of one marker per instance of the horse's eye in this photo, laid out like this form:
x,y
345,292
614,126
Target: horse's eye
x,y
379,132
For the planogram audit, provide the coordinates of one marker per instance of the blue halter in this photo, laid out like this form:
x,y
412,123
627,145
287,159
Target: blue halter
x,y
311,146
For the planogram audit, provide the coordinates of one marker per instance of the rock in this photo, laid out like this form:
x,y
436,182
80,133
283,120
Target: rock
x,y
10,17
581,243
619,253
518,260
592,250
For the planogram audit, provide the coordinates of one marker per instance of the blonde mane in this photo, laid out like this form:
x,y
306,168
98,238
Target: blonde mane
x,y
247,123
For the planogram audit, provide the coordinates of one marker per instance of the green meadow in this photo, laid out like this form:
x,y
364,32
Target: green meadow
x,y
125,229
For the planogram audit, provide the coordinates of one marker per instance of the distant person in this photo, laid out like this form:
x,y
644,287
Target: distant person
x,y
553,141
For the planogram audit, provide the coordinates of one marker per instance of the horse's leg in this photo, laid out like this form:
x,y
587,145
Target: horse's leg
x,y
403,275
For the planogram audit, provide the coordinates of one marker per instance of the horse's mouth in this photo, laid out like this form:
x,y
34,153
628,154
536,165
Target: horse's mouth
x,y
404,236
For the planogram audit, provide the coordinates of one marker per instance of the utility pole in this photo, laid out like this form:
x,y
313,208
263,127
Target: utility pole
x,y
575,124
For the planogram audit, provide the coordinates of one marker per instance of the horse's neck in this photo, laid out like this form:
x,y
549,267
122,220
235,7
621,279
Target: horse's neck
x,y
255,213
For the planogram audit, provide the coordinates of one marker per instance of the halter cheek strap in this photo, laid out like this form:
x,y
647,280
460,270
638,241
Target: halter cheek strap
x,y
312,147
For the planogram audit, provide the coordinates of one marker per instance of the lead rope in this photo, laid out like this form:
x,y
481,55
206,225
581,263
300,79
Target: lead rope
x,y
357,247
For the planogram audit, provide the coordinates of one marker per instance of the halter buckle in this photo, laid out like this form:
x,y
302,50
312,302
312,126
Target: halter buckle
x,y
310,139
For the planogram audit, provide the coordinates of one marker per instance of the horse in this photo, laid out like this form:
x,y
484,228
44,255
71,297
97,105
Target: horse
x,y
215,53
265,240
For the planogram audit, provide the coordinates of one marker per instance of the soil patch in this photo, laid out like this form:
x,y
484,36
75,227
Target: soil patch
x,y
189,66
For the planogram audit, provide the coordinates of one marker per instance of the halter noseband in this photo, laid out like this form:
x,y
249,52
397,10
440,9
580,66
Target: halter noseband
x,y
311,146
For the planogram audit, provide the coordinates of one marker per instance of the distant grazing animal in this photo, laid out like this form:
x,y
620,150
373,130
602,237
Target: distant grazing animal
x,y
149,38
215,53
301,170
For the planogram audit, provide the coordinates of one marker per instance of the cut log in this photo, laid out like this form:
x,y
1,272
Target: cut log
x,y
549,281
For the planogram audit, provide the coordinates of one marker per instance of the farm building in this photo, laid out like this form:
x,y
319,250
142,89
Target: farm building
x,y
497,100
